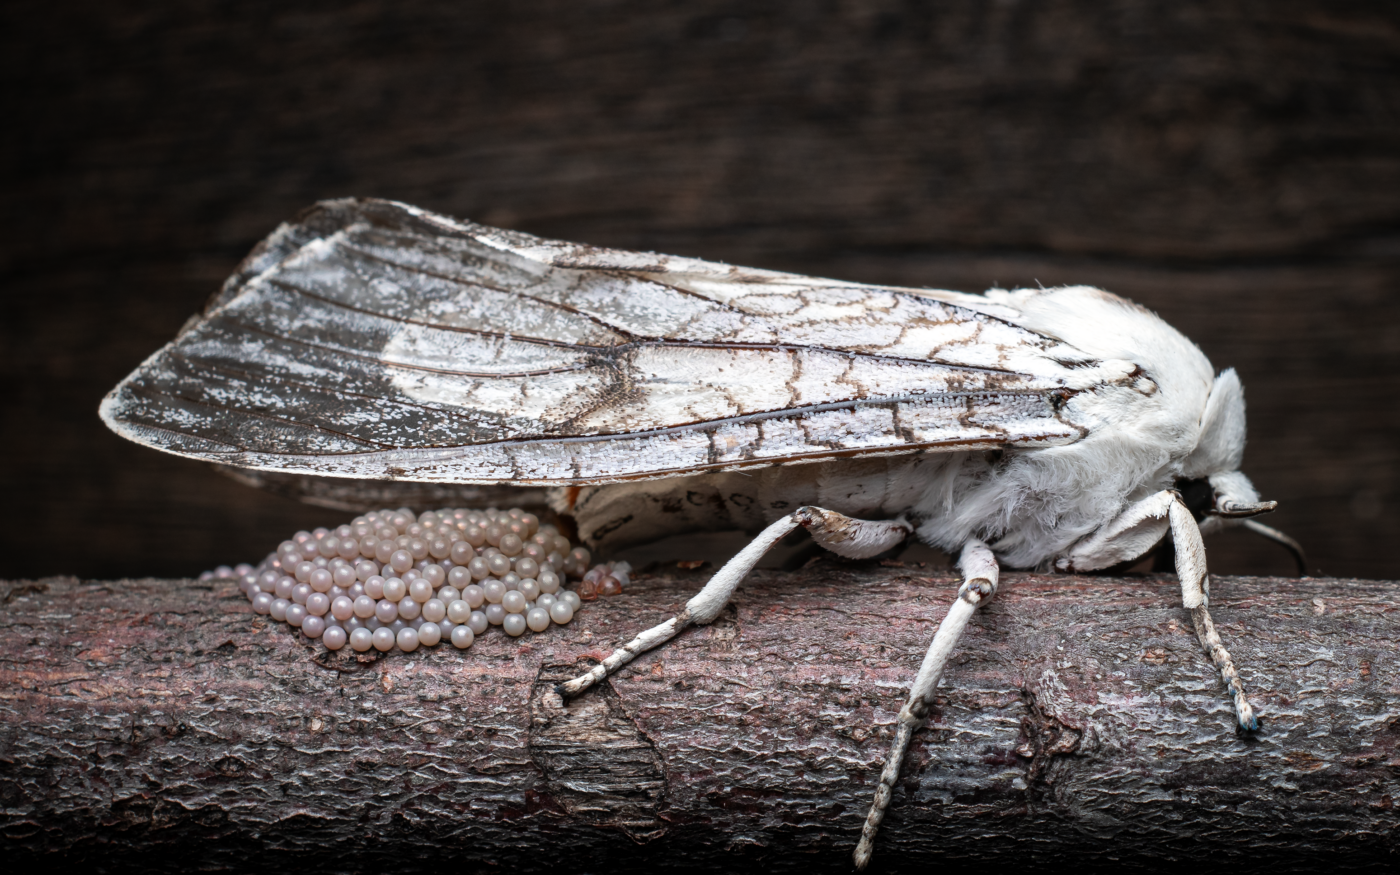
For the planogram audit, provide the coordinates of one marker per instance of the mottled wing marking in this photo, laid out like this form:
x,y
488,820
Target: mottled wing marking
x,y
374,340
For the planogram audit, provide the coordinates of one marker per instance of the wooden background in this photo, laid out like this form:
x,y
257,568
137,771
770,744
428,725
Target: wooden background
x,y
1233,165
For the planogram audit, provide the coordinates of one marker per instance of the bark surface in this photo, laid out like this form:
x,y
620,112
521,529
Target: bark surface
x,y
163,723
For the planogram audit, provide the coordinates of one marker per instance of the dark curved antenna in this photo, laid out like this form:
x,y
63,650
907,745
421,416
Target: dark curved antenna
x,y
1280,538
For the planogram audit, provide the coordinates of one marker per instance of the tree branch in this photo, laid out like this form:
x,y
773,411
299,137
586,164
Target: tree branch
x,y
161,722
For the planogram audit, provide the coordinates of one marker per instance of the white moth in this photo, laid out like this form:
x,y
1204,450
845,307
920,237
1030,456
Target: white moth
x,y
1060,428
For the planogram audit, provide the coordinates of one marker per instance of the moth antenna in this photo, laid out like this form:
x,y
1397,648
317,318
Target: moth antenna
x,y
1278,537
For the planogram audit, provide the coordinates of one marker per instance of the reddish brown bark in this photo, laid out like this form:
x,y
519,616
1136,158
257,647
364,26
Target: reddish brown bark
x,y
161,722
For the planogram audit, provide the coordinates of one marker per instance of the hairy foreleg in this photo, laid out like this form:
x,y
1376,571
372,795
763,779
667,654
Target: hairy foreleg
x,y
979,569
856,539
1136,530
1195,592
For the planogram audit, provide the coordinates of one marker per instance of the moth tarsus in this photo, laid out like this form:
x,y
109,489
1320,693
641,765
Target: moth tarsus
x,y
646,395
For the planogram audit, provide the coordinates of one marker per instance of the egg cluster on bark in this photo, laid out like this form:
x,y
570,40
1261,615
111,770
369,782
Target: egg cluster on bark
x,y
393,578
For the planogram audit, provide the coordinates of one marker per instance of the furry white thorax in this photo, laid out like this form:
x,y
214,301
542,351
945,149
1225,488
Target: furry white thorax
x,y
1172,419
1175,421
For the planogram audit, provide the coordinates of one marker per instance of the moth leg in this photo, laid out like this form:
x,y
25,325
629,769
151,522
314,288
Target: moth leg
x,y
1135,531
1195,591
1131,534
852,538
979,569
855,539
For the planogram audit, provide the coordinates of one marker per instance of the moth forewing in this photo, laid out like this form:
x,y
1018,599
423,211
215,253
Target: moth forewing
x,y
375,341
654,394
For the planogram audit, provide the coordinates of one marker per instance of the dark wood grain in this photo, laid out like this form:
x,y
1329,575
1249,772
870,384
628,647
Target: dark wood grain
x,y
162,722
1234,165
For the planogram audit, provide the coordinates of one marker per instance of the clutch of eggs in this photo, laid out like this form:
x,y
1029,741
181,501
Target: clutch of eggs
x,y
395,579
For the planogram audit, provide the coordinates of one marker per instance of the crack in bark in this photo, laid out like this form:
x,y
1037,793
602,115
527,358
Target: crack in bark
x,y
1044,737
598,765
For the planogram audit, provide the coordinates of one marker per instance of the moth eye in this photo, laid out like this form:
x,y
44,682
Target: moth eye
x,y
1197,495
439,589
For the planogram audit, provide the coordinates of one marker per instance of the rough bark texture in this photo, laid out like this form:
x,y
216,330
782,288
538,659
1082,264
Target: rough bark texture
x,y
161,722
1232,164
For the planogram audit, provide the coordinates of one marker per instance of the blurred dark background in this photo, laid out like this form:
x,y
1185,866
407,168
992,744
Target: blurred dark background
x,y
1233,165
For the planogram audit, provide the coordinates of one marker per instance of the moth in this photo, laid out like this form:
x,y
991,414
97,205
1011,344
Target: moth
x,y
1063,428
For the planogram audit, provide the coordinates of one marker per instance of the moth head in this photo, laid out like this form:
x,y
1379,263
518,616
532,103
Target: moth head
x,y
1211,484
1227,495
